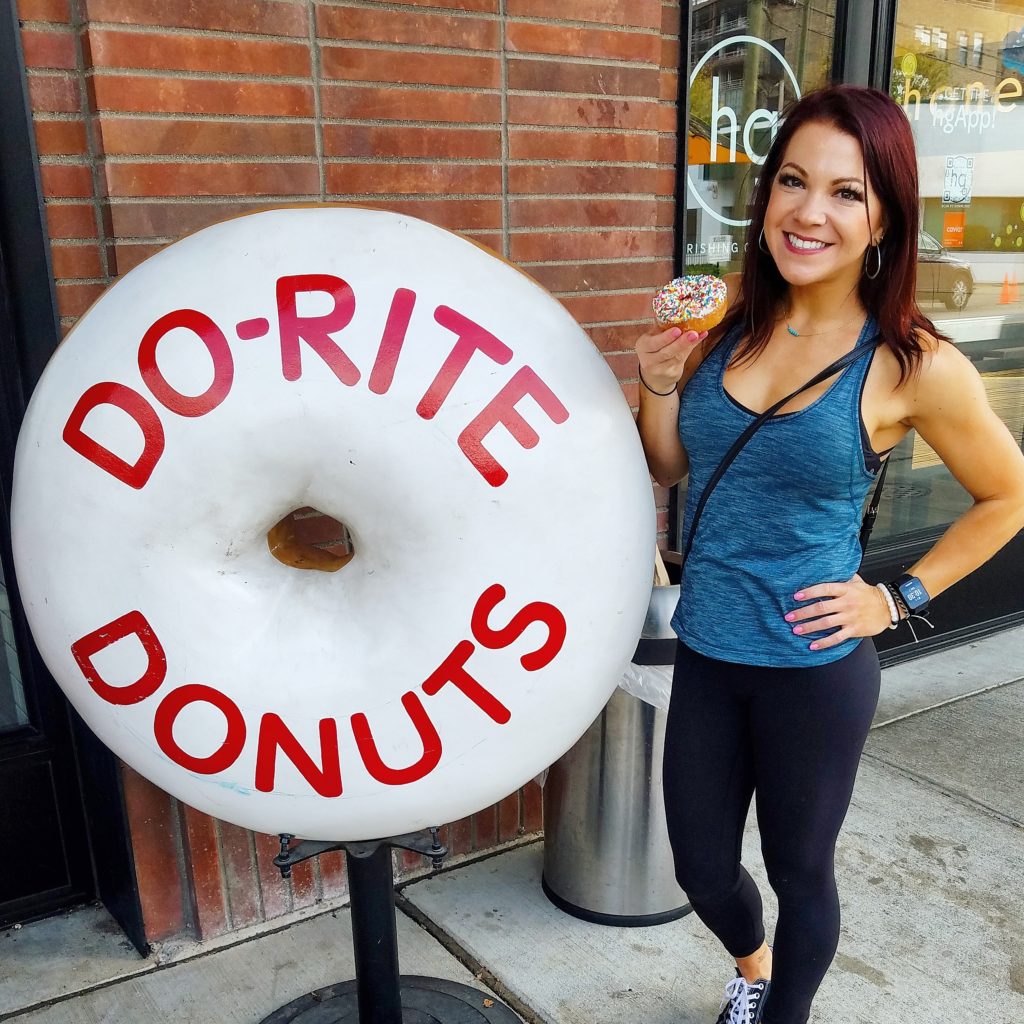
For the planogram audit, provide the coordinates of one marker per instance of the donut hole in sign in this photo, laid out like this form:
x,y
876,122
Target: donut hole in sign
x,y
307,538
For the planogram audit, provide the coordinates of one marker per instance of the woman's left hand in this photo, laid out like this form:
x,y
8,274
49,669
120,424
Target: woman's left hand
x,y
855,607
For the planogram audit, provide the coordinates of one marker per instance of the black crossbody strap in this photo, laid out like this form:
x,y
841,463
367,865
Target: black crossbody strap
x,y
840,364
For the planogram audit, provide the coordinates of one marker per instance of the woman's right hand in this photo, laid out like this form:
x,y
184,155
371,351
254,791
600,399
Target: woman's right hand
x,y
663,354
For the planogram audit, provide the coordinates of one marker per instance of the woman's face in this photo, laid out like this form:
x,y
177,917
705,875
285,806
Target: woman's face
x,y
816,225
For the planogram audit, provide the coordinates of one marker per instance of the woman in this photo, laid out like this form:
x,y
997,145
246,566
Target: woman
x,y
776,682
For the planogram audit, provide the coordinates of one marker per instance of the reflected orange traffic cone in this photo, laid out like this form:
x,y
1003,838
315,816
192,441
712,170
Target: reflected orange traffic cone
x,y
1014,287
1004,295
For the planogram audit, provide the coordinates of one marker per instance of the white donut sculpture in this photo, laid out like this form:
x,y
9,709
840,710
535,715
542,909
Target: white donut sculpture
x,y
408,383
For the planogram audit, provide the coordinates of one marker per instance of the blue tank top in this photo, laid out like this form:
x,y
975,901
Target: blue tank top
x,y
786,514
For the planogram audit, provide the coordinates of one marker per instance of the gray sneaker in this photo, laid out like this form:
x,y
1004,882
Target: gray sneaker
x,y
743,1002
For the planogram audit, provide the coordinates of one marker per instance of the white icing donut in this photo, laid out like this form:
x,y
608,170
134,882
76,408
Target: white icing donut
x,y
404,381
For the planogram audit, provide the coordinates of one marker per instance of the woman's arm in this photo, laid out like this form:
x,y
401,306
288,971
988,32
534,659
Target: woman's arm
x,y
950,410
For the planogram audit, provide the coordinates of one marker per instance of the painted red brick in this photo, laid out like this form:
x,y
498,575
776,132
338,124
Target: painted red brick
x,y
584,112
173,136
171,219
203,857
399,104
240,877
153,824
617,338
570,179
256,16
407,67
610,147
416,142
380,26
482,6
591,212
425,178
212,179
638,13
49,49
200,96
608,307
624,364
106,48
590,244
598,277
546,74
460,215
528,37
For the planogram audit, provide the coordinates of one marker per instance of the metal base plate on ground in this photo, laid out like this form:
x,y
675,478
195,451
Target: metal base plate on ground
x,y
424,1001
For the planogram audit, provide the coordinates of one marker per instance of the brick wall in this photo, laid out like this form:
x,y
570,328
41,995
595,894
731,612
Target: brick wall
x,y
550,139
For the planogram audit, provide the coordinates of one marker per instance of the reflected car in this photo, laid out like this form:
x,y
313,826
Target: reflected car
x,y
941,276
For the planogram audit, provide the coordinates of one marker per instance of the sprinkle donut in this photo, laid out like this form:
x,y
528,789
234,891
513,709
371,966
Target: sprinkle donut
x,y
411,385
695,303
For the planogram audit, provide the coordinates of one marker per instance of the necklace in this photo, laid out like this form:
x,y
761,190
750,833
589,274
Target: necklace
x,y
812,334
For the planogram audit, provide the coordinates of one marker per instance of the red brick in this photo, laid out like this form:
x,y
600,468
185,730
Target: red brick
x,y
303,885
274,891
482,6
333,876
668,86
552,75
666,119
172,52
162,219
66,138
569,179
583,112
671,17
49,49
141,136
453,214
493,243
594,277
426,178
58,94
508,818
637,13
460,837
202,853
485,828
605,147
617,338
604,307
152,822
212,179
403,141
565,213
410,68
533,808
129,256
418,29
597,44
569,245
70,220
261,17
393,103
75,261
201,96
661,521
44,10
240,875
669,53
71,181
631,393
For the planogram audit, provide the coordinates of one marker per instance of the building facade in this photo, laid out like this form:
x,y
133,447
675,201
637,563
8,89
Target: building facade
x,y
550,133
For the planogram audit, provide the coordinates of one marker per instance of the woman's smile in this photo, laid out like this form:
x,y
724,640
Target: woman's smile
x,y
802,245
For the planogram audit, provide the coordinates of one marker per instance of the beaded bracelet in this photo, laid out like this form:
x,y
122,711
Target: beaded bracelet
x,y
894,615
660,394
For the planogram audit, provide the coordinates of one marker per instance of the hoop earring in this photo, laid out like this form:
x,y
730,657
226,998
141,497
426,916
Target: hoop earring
x,y
878,268
761,245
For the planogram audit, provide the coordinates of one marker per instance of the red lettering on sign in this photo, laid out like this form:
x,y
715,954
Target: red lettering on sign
x,y
502,409
167,713
428,738
453,670
216,344
130,624
383,372
275,735
124,398
472,338
315,331
536,611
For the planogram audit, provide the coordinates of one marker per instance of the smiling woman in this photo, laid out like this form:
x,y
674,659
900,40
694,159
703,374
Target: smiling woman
x,y
776,675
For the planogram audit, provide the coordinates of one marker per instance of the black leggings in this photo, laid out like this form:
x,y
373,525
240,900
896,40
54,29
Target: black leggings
x,y
795,735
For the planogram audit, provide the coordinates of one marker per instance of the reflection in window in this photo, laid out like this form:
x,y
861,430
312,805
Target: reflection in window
x,y
13,712
961,47
976,52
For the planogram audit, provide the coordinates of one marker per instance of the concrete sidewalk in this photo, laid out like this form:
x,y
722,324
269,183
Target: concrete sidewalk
x,y
929,866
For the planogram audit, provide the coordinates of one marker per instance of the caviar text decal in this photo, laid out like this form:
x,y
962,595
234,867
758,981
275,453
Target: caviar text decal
x,y
409,384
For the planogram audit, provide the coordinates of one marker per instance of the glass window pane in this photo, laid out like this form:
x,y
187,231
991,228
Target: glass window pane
x,y
968,123
13,712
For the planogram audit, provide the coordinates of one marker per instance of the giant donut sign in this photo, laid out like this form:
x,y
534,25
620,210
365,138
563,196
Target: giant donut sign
x,y
406,382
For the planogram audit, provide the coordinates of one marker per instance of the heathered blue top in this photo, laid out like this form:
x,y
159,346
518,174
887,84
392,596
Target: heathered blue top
x,y
786,514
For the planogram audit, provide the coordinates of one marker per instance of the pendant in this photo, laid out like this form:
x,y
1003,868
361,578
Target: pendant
x,y
796,334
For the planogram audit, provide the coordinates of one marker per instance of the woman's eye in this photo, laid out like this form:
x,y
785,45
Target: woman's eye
x,y
789,180
850,194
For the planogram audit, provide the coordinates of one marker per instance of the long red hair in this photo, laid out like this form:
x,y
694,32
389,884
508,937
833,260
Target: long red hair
x,y
879,124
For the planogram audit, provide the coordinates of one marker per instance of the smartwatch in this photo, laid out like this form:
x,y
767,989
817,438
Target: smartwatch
x,y
915,597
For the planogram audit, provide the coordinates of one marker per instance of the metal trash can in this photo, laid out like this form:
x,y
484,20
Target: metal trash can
x,y
606,852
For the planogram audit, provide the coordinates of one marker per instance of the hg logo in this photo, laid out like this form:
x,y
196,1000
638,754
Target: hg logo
x,y
725,122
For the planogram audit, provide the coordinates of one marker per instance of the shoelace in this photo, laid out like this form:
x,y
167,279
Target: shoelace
x,y
744,999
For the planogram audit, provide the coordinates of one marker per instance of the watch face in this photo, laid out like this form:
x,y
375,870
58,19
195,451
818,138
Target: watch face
x,y
914,594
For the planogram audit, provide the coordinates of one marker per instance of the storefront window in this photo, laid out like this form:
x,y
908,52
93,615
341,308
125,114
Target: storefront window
x,y
968,121
748,60
12,695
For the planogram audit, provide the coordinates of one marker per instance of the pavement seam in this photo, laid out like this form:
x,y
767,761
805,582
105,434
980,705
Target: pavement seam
x,y
947,790
470,962
946,703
